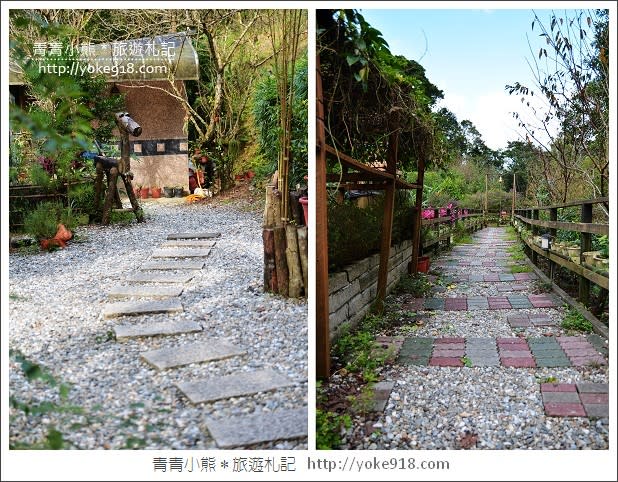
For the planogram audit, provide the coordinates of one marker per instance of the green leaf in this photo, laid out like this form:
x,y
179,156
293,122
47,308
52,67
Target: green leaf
x,y
54,439
352,59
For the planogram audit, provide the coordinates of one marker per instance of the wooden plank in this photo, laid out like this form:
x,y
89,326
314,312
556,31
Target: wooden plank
x,y
596,278
597,326
592,228
598,200
322,335
353,163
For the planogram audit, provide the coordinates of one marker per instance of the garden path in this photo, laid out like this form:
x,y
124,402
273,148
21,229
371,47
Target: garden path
x,y
489,364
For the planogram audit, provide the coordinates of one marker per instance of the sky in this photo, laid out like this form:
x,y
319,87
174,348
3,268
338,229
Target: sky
x,y
470,55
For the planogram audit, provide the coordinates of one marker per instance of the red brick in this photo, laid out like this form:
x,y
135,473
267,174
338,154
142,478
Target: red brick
x,y
589,398
558,387
445,362
444,353
582,361
518,362
554,409
570,338
507,341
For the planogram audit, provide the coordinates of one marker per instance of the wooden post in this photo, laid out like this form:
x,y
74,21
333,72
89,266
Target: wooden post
x,y
485,212
585,245
535,231
416,235
553,216
322,333
293,261
303,250
281,264
270,270
387,220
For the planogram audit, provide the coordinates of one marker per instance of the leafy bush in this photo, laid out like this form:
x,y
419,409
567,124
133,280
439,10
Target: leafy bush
x,y
575,321
42,222
417,285
328,429
82,199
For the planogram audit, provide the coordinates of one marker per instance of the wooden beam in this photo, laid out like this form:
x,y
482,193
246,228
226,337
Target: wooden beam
x,y
387,221
322,335
598,200
579,227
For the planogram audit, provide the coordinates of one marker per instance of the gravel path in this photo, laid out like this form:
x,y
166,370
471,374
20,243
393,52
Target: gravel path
x,y
432,407
56,302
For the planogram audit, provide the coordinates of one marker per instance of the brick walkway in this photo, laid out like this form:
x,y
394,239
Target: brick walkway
x,y
515,352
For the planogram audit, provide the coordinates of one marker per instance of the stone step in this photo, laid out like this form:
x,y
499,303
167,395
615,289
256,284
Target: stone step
x,y
213,349
154,329
280,424
233,385
181,253
129,308
193,235
158,277
175,264
155,291
188,243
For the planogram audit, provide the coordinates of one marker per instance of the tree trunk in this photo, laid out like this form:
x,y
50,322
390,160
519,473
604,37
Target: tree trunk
x,y
303,248
281,261
270,270
293,259
272,208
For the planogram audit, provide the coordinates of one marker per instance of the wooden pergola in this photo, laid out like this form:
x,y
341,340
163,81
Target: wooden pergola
x,y
367,178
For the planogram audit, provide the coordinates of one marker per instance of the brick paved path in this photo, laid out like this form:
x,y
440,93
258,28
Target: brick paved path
x,y
489,254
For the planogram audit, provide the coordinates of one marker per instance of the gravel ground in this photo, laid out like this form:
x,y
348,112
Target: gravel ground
x,y
475,407
56,303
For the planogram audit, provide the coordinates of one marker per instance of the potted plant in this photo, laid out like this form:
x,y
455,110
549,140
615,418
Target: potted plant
x,y
155,192
168,191
573,252
601,260
588,257
143,192
178,191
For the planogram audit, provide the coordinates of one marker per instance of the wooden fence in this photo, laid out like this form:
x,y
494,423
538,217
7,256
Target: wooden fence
x,y
528,220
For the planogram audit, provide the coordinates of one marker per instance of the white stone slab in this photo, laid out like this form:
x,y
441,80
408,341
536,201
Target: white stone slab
x,y
213,349
173,264
188,243
154,329
159,277
233,385
129,308
149,290
181,253
193,235
280,424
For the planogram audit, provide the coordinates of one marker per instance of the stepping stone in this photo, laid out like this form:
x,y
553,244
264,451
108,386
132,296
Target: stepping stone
x,y
154,291
557,387
261,427
153,329
188,243
158,277
193,235
484,361
597,410
176,264
564,410
228,386
585,387
560,397
213,349
128,308
181,253
381,392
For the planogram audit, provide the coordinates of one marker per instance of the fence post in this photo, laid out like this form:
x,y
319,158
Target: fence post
x,y
451,226
585,245
535,232
553,216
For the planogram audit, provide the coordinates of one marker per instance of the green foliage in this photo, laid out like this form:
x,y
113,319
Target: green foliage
x,y
466,361
516,252
266,112
42,222
520,268
82,199
575,321
602,244
417,285
328,429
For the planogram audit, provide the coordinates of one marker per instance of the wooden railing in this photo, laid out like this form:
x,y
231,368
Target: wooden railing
x,y
445,225
528,219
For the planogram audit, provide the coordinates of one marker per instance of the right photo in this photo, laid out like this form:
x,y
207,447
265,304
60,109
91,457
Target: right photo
x,y
462,229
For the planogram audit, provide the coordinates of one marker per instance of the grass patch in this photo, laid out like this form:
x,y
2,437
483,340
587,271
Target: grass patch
x,y
511,234
520,268
463,239
417,285
575,321
516,252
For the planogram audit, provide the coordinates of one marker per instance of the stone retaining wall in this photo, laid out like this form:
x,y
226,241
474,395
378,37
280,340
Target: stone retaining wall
x,y
353,290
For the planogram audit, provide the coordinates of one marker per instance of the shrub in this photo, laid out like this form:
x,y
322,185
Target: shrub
x,y
575,321
42,223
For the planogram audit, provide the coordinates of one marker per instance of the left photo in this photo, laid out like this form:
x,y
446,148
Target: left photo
x,y
157,294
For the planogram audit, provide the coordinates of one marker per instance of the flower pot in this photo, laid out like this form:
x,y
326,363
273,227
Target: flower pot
x,y
178,192
602,263
573,251
143,192
168,191
589,257
155,192
304,201
422,265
